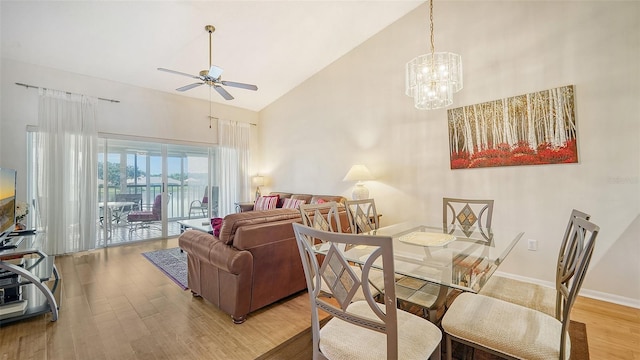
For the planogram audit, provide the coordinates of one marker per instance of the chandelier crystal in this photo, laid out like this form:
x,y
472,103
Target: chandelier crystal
x,y
431,79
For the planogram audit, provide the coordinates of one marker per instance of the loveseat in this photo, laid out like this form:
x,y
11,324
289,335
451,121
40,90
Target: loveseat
x,y
253,263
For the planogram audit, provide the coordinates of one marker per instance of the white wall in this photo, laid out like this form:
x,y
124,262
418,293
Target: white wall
x,y
355,111
141,112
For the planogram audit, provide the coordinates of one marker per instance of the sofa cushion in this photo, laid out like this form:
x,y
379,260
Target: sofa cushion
x,y
327,198
305,197
292,203
266,202
232,222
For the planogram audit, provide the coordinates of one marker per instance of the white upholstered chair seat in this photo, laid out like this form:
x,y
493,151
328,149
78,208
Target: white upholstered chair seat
x,y
508,328
533,296
416,337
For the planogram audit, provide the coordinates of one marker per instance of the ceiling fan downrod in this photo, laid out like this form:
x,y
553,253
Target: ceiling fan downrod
x,y
210,29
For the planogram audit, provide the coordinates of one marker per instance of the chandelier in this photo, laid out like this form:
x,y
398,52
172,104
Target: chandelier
x,y
433,78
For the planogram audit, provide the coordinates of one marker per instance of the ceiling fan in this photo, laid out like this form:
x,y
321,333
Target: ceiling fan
x,y
211,77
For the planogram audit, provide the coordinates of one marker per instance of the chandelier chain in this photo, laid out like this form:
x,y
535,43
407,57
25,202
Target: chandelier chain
x,y
433,47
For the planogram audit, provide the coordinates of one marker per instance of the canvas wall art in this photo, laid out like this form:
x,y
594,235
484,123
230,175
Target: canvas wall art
x,y
531,129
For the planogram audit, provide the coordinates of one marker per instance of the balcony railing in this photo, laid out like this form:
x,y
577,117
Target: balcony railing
x,y
180,196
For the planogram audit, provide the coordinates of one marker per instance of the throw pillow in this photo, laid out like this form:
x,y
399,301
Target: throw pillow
x,y
216,224
292,203
266,202
321,201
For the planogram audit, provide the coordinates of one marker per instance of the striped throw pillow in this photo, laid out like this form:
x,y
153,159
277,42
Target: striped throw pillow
x,y
292,203
266,203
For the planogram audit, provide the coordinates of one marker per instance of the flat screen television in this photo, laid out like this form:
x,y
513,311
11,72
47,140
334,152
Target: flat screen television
x,y
7,202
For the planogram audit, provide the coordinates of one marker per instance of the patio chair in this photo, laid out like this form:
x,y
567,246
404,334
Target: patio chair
x,y
360,329
136,199
202,206
142,218
130,202
517,332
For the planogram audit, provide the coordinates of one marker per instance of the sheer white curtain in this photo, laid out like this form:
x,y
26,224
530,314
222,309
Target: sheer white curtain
x,y
66,171
233,152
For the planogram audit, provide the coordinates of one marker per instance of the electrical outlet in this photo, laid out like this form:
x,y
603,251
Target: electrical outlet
x,y
532,245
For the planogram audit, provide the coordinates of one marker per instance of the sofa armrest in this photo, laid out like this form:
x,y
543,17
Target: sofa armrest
x,y
209,249
242,207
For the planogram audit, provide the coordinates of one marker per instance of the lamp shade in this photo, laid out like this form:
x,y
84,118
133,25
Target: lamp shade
x,y
258,180
358,173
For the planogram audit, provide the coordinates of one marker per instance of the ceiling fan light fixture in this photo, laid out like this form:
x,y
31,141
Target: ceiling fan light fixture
x,y
215,72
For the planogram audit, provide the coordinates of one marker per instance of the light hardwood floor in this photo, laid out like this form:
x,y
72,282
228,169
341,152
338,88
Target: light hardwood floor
x,y
117,305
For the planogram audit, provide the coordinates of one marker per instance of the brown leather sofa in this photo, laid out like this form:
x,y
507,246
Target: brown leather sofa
x,y
253,263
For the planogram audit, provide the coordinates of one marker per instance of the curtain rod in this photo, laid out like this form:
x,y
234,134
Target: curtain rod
x,y
216,118
37,87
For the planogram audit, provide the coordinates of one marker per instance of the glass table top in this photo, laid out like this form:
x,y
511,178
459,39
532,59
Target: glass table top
x,y
457,257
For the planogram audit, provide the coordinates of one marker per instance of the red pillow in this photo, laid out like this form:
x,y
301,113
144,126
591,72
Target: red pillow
x,y
216,224
321,201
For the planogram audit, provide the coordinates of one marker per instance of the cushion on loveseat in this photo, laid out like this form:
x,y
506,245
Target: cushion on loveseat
x,y
232,222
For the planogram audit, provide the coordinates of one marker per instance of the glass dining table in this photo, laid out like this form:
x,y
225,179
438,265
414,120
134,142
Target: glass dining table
x,y
462,258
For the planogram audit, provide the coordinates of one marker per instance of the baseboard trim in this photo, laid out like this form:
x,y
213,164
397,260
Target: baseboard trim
x,y
593,294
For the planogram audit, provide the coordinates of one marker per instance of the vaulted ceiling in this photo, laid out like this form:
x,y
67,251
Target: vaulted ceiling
x,y
275,45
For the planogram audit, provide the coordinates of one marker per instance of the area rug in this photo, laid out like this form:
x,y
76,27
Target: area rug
x,y
299,347
172,262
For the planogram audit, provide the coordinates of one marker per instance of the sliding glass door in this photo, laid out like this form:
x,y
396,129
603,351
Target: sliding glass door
x,y
146,187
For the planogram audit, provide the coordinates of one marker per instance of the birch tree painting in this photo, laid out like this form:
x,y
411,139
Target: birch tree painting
x,y
532,129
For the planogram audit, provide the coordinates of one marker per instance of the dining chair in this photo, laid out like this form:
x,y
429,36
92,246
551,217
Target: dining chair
x,y
360,329
326,217
517,332
322,216
468,213
430,298
362,215
533,296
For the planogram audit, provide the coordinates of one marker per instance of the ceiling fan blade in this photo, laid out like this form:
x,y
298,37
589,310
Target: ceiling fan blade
x,y
190,86
179,73
239,85
223,92
215,72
